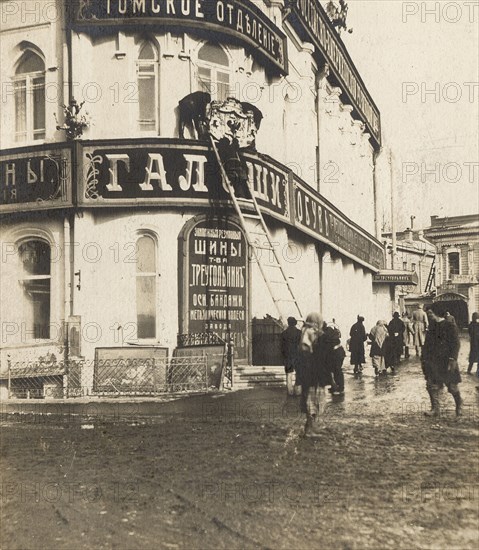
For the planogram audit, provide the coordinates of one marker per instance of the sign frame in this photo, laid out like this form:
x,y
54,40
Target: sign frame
x,y
62,156
184,278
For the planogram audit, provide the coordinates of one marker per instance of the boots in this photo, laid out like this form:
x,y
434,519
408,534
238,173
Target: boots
x,y
406,352
459,402
469,368
311,426
434,396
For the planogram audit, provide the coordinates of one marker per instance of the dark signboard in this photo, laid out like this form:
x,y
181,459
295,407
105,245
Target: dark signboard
x,y
314,216
396,278
35,178
143,172
168,173
238,18
214,281
312,24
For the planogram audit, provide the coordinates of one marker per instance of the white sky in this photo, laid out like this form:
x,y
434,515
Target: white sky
x,y
394,47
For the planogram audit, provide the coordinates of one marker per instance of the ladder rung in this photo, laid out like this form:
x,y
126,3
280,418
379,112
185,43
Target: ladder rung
x,y
277,266
283,282
249,201
285,300
263,247
254,216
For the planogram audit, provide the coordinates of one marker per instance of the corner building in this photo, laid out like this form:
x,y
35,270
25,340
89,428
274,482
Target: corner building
x,y
124,233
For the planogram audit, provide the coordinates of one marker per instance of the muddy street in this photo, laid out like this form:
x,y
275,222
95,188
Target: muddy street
x,y
233,471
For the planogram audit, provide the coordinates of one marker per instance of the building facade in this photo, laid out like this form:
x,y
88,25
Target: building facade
x,y
411,253
117,232
457,263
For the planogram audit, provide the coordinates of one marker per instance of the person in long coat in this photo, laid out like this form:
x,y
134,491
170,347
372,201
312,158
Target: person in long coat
x,y
473,330
408,336
314,373
378,336
356,344
396,330
420,323
439,360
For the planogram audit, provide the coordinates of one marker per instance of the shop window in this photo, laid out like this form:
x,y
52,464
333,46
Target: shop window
x,y
214,71
453,259
146,287
404,266
29,93
36,278
413,267
147,73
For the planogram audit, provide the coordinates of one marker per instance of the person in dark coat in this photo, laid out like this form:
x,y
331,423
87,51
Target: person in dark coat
x,y
334,355
396,330
290,350
473,330
439,360
356,344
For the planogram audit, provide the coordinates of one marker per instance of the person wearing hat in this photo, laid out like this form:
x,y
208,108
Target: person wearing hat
x,y
290,350
396,330
356,345
439,360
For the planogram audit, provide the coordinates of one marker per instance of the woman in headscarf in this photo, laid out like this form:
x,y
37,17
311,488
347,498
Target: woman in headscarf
x,y
378,336
314,372
356,345
474,341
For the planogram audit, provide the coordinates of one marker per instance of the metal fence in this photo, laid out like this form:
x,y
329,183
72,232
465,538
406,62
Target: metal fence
x,y
108,377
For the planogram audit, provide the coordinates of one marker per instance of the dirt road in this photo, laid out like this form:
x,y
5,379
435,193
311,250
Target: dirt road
x,y
233,471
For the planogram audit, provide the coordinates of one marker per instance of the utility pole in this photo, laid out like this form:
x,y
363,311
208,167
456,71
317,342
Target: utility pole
x,y
393,213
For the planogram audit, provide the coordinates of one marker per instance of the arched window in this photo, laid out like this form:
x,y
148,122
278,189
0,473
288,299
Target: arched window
x,y
35,277
147,73
146,287
29,88
214,71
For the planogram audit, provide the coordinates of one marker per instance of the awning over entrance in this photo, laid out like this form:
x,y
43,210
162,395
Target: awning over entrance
x,y
396,277
450,296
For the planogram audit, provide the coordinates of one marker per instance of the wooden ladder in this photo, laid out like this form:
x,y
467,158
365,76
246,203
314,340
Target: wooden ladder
x,y
259,239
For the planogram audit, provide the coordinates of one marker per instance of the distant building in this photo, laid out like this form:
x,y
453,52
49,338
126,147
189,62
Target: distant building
x,y
416,255
457,263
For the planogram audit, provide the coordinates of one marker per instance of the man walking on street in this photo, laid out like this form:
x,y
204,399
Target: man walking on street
x,y
419,324
439,360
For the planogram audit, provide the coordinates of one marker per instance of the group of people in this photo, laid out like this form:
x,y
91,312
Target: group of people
x,y
316,355
388,340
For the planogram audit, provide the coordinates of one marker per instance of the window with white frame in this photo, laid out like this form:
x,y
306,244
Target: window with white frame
x,y
146,273
147,74
35,278
29,93
214,71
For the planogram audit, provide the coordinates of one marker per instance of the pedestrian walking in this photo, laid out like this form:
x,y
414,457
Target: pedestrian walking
x,y
334,354
378,336
473,330
396,330
420,324
408,336
356,344
290,350
439,360
313,372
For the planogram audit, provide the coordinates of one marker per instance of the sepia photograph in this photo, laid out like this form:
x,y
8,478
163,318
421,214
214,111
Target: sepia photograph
x,y
239,276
